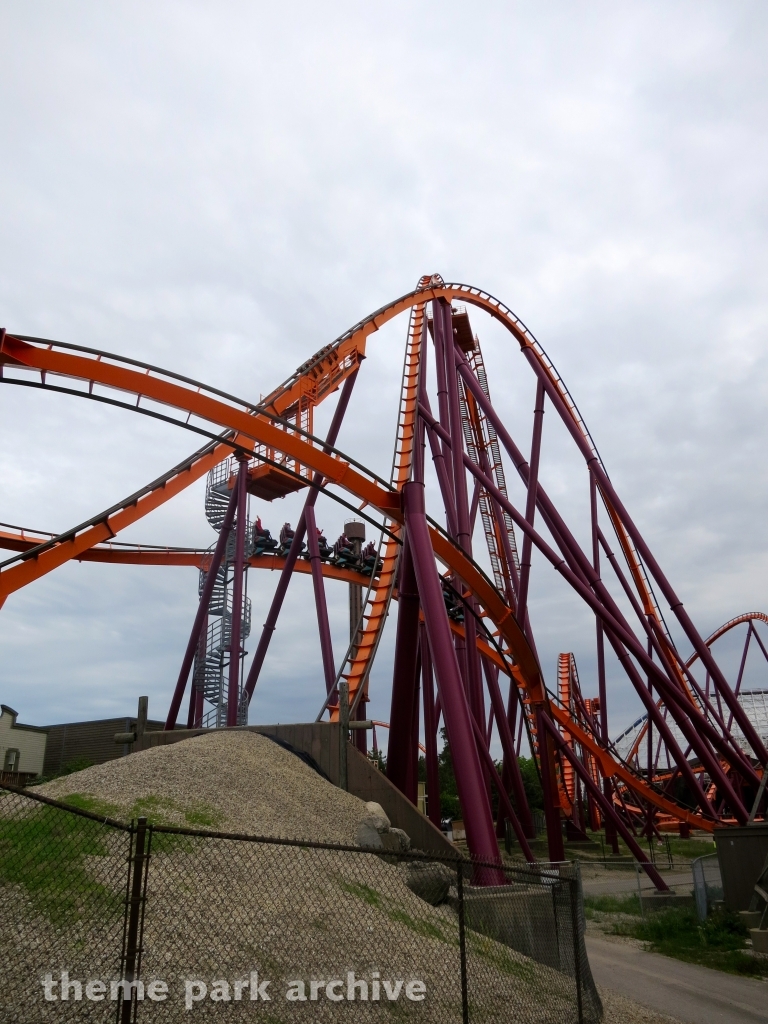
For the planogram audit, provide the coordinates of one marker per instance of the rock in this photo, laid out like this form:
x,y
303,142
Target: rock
x,y
376,816
367,835
429,880
403,838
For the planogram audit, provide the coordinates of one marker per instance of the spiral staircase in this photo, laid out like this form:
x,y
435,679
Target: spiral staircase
x,y
211,671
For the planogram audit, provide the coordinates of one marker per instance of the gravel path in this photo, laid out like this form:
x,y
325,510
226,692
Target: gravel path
x,y
695,994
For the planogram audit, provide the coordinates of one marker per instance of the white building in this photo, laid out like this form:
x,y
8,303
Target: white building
x,y
22,747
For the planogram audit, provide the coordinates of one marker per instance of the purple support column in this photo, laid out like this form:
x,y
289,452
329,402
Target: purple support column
x,y
493,775
676,698
474,507
611,835
458,720
455,430
549,788
404,692
508,747
663,728
463,536
430,731
650,723
202,611
412,783
605,805
198,719
644,551
192,706
519,743
610,613
737,688
295,548
194,693
441,342
326,646
506,774
442,478
233,689
530,505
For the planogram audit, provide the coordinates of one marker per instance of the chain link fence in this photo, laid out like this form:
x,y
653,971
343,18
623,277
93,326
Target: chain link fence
x,y
627,887
707,884
197,924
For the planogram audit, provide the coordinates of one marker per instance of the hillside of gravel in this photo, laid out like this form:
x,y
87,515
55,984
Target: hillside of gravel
x,y
233,782
220,909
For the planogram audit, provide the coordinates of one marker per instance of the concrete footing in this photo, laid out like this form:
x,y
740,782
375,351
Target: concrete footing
x,y
666,901
751,918
519,917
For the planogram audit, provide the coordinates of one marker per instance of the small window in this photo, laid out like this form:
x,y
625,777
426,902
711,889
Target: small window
x,y
11,760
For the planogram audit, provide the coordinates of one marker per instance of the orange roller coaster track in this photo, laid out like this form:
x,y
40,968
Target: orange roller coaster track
x,y
460,633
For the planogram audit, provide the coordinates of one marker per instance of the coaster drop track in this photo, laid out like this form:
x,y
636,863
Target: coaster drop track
x,y
460,633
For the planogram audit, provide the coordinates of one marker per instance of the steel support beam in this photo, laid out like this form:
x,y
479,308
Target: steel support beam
x,y
321,605
675,604
430,731
606,807
458,720
404,682
508,747
295,548
530,505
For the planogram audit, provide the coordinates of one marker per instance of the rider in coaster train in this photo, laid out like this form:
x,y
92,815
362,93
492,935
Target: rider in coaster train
x,y
262,539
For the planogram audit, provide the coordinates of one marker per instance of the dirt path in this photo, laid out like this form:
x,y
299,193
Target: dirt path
x,y
693,994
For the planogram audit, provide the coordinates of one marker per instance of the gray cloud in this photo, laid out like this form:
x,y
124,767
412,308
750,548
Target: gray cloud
x,y
221,190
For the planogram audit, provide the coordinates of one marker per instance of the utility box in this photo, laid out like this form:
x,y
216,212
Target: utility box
x,y
741,853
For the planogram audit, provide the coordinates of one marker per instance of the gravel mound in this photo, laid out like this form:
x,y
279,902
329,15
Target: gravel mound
x,y
297,912
234,782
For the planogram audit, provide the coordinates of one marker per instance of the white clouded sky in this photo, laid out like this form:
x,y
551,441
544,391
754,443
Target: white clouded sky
x,y
223,188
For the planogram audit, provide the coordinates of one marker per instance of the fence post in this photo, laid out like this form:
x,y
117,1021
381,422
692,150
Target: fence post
x,y
574,894
462,943
134,917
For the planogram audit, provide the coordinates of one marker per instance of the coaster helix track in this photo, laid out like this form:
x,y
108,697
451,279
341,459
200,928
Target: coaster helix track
x,y
460,633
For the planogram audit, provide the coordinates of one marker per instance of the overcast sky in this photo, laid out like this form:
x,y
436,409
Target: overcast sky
x,y
223,188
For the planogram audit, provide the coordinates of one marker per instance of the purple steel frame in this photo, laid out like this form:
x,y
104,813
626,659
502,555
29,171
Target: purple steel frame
x,y
481,835
295,548
426,651
326,645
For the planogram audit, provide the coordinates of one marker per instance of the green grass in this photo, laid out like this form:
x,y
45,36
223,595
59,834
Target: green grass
x,y
683,850
718,942
427,929
45,853
622,904
86,802
157,810
496,954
